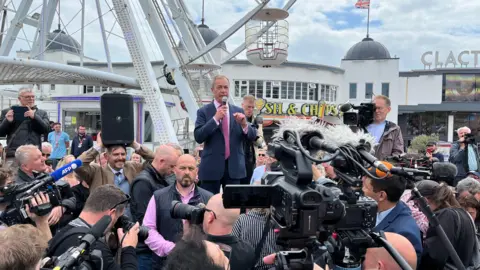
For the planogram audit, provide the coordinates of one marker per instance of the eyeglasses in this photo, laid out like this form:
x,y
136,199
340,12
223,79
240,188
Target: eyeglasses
x,y
211,211
127,199
261,155
45,155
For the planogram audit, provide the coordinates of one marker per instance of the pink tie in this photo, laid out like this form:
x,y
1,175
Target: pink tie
x,y
226,136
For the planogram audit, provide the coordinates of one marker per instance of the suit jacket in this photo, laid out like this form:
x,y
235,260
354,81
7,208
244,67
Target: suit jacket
x,y
213,155
94,175
400,221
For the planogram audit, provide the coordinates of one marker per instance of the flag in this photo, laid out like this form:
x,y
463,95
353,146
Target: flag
x,y
363,4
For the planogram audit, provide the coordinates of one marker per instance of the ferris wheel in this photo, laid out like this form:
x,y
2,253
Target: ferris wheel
x,y
144,26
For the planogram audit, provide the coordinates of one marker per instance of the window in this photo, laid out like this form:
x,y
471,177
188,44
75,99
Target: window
x,y
386,89
251,88
237,88
268,90
259,89
353,91
291,90
52,87
284,90
313,91
368,90
88,89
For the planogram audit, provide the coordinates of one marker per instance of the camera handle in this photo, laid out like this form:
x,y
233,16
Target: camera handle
x,y
299,259
432,218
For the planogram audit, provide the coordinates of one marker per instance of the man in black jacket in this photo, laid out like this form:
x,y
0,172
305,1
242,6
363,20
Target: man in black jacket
x,y
26,129
104,200
152,178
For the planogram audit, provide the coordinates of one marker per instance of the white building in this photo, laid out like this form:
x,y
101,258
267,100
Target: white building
x,y
425,101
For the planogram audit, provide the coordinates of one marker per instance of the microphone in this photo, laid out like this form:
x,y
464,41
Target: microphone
x,y
371,159
224,100
64,170
69,258
345,107
444,171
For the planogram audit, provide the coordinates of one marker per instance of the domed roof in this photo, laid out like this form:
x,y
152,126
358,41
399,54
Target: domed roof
x,y
208,36
62,42
367,49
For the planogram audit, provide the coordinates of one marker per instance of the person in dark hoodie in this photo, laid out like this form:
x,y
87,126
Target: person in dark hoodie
x,y
152,178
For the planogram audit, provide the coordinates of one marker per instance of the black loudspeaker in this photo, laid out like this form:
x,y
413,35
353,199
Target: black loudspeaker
x,y
117,119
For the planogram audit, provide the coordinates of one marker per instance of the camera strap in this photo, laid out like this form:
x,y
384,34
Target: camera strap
x,y
259,245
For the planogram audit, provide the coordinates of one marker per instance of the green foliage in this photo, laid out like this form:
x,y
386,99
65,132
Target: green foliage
x,y
419,143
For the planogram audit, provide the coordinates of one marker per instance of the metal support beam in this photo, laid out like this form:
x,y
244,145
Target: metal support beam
x,y
170,58
104,36
164,131
15,26
230,31
82,35
40,41
243,46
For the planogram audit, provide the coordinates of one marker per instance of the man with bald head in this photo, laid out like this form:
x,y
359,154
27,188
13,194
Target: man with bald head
x,y
164,230
217,224
379,258
152,178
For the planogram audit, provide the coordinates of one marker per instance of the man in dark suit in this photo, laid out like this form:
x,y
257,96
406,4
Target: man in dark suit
x,y
223,129
393,215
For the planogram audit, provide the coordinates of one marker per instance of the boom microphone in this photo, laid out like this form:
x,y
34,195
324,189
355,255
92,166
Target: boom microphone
x,y
444,172
346,107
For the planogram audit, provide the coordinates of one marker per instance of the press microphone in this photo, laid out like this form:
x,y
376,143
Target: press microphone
x,y
66,169
69,258
371,159
444,172
224,100
346,107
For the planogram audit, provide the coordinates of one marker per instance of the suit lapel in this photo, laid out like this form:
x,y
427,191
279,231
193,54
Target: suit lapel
x,y
389,218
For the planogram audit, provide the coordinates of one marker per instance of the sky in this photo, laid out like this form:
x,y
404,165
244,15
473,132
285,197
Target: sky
x,y
320,31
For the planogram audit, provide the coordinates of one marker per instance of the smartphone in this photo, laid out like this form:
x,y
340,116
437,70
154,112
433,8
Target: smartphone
x,y
19,113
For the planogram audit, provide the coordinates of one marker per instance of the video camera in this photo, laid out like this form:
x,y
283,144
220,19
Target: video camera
x,y
306,213
18,195
470,139
362,118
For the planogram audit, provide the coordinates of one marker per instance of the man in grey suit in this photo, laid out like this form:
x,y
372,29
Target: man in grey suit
x,y
223,129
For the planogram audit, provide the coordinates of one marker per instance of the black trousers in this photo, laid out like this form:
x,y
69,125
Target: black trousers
x,y
214,186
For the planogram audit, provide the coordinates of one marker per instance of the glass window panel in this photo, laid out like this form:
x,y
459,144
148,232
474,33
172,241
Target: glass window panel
x,y
237,88
353,91
243,91
304,91
386,89
312,89
368,90
284,90
251,88
440,124
291,90
259,89
335,95
414,124
315,95
298,90
275,92
322,92
268,88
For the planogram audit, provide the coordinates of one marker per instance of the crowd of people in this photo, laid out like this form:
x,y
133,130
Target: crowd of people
x,y
140,188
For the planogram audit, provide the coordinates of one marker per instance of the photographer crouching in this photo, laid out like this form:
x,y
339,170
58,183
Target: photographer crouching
x,y
464,154
104,200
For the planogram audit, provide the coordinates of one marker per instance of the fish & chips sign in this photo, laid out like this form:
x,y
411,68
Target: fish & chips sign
x,y
319,109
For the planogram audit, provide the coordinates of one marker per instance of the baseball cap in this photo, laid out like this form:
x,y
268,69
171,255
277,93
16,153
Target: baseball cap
x,y
427,187
431,144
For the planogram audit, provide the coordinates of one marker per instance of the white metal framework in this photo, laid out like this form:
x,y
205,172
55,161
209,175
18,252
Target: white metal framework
x,y
168,20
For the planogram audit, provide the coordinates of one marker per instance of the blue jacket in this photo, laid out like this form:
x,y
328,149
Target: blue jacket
x,y
207,131
400,221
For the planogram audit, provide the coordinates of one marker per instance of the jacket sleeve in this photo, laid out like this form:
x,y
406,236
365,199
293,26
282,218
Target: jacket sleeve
x,y
87,170
129,257
141,195
398,147
251,133
204,127
40,122
5,126
456,154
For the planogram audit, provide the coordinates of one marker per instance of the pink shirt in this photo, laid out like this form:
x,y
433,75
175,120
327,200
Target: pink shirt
x,y
155,240
245,130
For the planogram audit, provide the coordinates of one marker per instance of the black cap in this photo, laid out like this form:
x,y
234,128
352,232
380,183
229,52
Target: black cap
x,y
427,187
431,144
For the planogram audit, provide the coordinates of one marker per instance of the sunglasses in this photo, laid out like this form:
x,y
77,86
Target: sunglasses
x,y
261,155
126,201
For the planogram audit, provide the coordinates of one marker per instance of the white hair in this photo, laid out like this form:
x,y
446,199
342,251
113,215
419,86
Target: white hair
x,y
218,77
24,90
47,145
23,153
467,129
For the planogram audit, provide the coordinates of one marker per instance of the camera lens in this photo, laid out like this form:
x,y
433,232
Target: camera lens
x,y
181,211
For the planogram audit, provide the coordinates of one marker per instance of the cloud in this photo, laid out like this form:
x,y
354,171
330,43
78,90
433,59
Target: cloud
x,y
320,31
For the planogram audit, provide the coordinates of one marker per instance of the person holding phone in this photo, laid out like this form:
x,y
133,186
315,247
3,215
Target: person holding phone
x,y
23,124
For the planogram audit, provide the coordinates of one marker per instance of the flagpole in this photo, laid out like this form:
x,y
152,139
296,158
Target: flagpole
x,y
368,20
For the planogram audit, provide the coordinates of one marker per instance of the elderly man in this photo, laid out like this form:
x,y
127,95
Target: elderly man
x,y
464,154
164,230
223,128
468,186
23,124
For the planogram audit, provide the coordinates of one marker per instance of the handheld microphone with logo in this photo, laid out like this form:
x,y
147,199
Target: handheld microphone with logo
x,y
70,258
66,169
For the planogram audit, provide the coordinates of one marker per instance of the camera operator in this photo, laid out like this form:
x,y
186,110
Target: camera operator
x,y
431,152
164,230
387,134
393,215
23,129
464,154
21,247
217,224
152,178
456,223
104,200
41,222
